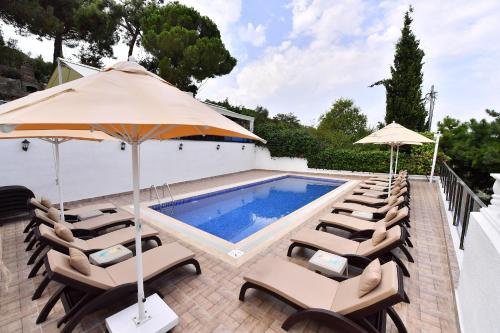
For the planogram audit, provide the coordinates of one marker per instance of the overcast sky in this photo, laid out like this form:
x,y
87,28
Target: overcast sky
x,y
300,56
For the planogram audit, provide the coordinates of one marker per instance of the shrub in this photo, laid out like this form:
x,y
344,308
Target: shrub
x,y
352,160
283,141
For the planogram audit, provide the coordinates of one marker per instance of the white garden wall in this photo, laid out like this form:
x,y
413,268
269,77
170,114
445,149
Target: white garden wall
x,y
92,169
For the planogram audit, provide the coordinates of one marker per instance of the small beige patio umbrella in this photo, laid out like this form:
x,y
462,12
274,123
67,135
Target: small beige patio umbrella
x,y
394,135
56,137
129,103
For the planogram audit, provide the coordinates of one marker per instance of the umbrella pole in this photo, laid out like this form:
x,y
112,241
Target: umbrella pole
x,y
58,179
390,173
397,156
138,242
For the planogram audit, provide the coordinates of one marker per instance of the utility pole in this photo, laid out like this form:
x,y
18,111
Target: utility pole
x,y
431,98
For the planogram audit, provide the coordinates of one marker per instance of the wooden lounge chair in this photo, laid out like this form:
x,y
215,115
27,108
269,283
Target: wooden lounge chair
x,y
374,202
335,304
73,213
384,187
374,212
382,180
401,174
49,240
354,224
90,228
108,286
362,228
358,252
380,194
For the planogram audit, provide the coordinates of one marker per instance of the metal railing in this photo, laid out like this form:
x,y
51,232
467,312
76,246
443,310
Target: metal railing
x,y
461,200
151,188
164,187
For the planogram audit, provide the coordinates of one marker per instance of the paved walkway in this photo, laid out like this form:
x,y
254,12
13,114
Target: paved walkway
x,y
209,302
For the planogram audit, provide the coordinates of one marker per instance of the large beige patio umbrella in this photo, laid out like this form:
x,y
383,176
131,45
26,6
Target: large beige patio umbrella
x,y
127,102
56,137
394,135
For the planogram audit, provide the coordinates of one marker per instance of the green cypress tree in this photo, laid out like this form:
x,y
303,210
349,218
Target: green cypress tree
x,y
404,103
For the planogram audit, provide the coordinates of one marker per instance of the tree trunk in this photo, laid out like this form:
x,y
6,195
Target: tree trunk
x,y
132,43
58,51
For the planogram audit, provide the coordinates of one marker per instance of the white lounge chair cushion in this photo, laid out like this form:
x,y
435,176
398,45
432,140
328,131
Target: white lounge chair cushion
x,y
379,234
89,214
79,261
370,278
363,215
53,214
63,232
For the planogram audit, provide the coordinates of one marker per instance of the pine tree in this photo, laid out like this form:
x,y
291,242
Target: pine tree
x,y
404,103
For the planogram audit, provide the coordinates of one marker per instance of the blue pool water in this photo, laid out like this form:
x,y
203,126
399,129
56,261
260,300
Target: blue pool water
x,y
236,213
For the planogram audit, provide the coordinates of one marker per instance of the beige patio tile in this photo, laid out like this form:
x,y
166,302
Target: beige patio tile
x,y
209,302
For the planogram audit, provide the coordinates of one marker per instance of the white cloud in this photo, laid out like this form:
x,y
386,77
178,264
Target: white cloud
x,y
336,49
224,13
255,35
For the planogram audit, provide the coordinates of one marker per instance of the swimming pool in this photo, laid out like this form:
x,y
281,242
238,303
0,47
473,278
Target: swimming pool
x,y
236,213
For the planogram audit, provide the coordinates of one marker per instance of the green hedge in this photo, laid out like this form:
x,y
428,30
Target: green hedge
x,y
352,160
418,160
288,141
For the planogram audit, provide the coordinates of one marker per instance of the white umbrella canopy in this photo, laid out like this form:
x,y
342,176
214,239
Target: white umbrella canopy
x,y
56,137
394,135
129,103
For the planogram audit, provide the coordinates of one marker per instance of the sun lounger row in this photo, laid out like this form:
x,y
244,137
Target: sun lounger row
x,y
63,248
347,303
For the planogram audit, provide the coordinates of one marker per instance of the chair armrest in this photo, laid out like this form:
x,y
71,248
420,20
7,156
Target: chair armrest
x,y
368,233
357,261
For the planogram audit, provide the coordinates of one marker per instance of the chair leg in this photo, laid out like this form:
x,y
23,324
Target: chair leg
x,y
30,235
35,254
407,253
39,290
406,298
401,265
396,320
290,249
85,299
329,318
408,241
49,305
196,265
36,267
29,226
31,244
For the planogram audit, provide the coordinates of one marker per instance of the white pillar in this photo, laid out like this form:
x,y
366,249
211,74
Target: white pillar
x,y
58,179
390,172
138,231
434,158
396,164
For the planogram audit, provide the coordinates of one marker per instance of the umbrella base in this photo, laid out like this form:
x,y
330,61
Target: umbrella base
x,y
162,318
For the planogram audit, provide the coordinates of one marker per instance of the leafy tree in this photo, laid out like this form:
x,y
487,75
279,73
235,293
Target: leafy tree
x,y
404,103
66,22
343,117
474,148
131,13
287,119
185,47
